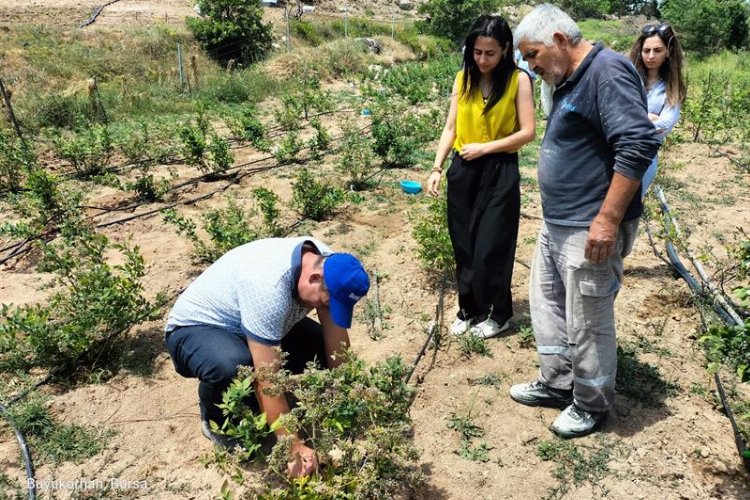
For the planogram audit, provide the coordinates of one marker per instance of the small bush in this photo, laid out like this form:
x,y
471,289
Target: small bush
x,y
227,228
314,199
356,417
88,150
15,159
434,243
729,344
247,126
268,202
356,158
203,148
74,329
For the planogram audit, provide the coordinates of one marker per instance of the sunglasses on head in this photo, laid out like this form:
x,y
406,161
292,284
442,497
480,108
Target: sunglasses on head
x,y
662,29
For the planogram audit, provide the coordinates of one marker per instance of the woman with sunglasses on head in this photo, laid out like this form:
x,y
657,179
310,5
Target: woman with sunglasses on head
x,y
491,116
657,55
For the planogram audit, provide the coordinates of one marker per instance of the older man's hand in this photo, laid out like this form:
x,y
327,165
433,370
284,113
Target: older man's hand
x,y
600,244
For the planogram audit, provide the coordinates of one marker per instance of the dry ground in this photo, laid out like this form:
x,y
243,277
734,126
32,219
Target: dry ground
x,y
682,448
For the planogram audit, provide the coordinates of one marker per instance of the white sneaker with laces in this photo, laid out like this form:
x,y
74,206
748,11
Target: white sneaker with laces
x,y
489,328
461,326
576,422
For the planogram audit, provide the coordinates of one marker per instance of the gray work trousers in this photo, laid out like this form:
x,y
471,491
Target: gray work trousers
x,y
572,304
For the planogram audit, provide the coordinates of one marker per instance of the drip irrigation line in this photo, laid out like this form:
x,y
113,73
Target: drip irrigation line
x,y
707,283
28,463
96,13
656,251
738,439
728,318
523,263
434,327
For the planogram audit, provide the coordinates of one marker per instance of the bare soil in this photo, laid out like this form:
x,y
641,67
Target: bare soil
x,y
681,448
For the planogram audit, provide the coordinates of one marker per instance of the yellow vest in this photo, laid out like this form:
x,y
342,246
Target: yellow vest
x,y
500,121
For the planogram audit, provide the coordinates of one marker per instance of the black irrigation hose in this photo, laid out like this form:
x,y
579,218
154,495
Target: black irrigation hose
x,y
434,327
96,13
24,452
699,290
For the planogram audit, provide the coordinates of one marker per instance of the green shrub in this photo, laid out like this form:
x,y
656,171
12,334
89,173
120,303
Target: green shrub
x,y
46,205
268,203
315,200
203,148
232,29
357,419
319,143
74,329
399,134
145,143
434,243
305,31
420,82
15,159
226,228
88,150
729,344
356,157
289,147
247,126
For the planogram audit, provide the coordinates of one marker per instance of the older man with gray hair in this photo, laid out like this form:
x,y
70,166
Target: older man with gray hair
x,y
596,148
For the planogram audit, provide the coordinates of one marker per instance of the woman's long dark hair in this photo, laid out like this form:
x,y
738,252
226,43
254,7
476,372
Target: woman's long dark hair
x,y
495,27
671,70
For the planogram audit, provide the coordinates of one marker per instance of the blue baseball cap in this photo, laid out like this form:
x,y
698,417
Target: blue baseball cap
x,y
347,282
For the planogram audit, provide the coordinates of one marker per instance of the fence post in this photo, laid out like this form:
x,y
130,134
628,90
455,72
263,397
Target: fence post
x,y
288,30
11,115
346,20
194,70
180,67
393,26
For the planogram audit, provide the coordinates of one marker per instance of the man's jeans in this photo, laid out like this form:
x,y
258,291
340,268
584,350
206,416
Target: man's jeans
x,y
212,355
572,311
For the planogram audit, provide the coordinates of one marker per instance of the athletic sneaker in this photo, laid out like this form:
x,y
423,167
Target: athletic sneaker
x,y
576,422
489,328
218,440
461,326
537,394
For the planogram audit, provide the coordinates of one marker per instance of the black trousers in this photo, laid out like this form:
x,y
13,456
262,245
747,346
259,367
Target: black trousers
x,y
484,205
212,354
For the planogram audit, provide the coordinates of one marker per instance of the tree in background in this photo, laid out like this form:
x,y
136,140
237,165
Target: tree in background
x,y
232,30
705,26
452,18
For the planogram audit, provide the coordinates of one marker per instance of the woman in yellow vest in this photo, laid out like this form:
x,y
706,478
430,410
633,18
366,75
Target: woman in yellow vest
x,y
491,117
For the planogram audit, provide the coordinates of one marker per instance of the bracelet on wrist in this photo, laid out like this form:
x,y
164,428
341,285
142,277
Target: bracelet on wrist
x,y
438,170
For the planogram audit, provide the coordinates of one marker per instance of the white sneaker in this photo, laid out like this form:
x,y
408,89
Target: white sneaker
x,y
489,328
461,326
576,422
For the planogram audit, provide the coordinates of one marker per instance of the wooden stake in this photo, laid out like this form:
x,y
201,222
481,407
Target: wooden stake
x,y
11,115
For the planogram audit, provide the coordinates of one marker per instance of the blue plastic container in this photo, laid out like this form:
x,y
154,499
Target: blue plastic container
x,y
411,187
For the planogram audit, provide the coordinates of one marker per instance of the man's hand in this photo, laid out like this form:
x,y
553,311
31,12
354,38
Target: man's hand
x,y
304,462
600,244
472,151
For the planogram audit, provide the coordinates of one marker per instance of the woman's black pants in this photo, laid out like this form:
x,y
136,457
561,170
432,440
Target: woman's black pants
x,y
484,205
